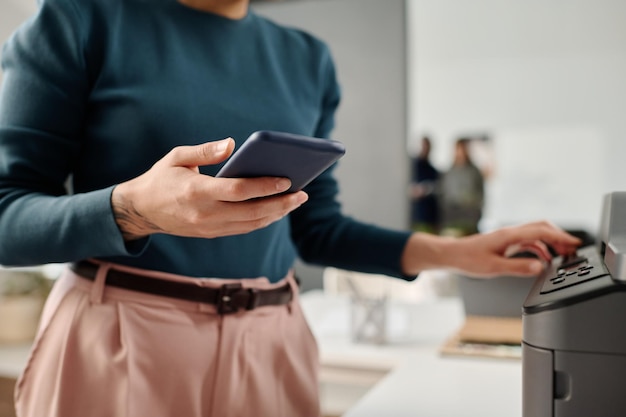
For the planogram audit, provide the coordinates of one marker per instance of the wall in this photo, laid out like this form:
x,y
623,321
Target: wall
x,y
12,14
546,79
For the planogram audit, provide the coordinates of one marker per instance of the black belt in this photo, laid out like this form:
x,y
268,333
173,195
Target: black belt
x,y
228,298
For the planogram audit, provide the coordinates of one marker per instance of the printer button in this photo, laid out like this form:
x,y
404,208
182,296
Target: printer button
x,y
572,260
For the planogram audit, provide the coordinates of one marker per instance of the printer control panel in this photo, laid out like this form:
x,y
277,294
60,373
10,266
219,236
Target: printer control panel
x,y
571,270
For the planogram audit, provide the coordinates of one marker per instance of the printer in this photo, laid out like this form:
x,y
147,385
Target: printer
x,y
574,328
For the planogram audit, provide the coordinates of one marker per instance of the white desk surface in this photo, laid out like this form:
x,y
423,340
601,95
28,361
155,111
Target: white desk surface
x,y
13,358
420,383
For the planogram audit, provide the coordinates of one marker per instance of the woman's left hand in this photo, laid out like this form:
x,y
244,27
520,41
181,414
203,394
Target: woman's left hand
x,y
489,254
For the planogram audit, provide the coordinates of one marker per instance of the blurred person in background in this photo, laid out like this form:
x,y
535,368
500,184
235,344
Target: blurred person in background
x,y
425,211
462,193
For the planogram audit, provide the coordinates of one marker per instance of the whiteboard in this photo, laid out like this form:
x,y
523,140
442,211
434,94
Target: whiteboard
x,y
553,172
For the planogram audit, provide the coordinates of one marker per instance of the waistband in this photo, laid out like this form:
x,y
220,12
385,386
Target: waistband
x,y
228,297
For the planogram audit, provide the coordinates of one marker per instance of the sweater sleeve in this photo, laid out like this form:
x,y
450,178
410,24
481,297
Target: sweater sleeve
x,y
43,105
322,234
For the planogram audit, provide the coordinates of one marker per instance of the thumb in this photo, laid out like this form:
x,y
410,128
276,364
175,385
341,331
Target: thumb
x,y
208,153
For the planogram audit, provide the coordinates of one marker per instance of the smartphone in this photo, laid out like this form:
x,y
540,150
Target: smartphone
x,y
278,154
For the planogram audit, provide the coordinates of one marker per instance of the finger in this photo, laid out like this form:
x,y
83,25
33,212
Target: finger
x,y
247,216
238,228
262,209
543,231
243,189
522,267
208,153
537,247
565,249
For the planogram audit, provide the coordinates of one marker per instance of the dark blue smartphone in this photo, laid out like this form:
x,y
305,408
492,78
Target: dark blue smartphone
x,y
278,154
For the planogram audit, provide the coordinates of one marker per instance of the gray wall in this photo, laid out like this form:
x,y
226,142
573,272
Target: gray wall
x,y
12,14
368,41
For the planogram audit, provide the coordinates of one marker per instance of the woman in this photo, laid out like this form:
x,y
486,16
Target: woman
x,y
179,298
462,193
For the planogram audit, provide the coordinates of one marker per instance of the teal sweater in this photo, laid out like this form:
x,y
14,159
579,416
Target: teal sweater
x,y
98,90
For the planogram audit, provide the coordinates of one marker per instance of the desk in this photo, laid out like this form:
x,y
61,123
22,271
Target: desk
x,y
413,379
13,359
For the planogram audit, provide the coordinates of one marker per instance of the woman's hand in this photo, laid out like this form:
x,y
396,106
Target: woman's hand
x,y
173,197
489,254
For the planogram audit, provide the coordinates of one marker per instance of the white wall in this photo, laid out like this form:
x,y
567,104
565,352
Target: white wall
x,y
546,78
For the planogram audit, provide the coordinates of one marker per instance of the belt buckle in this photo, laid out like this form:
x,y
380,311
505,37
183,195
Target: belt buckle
x,y
225,299
228,302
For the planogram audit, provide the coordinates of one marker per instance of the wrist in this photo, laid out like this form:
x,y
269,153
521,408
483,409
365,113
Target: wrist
x,y
426,251
131,223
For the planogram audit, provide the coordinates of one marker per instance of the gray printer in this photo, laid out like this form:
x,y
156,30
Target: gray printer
x,y
574,328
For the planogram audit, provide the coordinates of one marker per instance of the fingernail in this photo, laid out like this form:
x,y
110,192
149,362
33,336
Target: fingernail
x,y
221,145
536,267
301,198
283,184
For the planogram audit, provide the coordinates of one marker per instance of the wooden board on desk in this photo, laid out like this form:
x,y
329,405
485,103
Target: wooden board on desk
x,y
7,386
495,337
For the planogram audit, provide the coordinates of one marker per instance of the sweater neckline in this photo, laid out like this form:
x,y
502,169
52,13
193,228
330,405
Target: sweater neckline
x,y
216,18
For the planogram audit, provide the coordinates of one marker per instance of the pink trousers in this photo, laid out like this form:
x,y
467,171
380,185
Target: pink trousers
x,y
109,352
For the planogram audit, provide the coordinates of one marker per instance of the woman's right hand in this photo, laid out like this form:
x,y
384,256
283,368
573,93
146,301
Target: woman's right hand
x,y
173,197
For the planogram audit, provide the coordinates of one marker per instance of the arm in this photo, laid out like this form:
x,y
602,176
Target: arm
x,y
42,110
486,255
